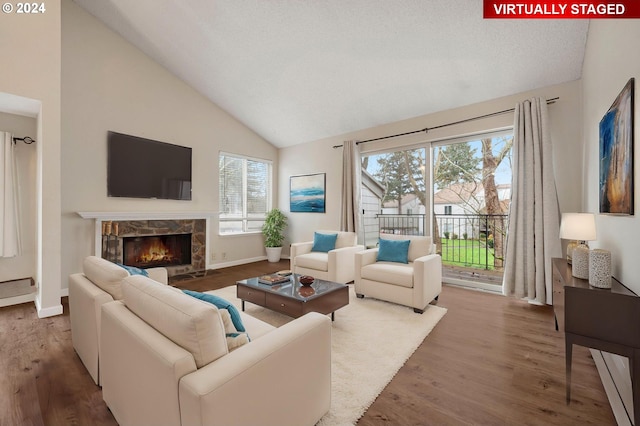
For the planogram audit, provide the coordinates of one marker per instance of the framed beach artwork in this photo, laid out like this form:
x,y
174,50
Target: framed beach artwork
x,y
307,193
616,155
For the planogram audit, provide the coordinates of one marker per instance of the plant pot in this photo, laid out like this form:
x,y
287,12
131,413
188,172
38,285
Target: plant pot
x,y
273,253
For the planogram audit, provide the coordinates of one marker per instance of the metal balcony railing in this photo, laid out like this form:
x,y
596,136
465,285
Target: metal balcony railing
x,y
467,240
401,224
473,240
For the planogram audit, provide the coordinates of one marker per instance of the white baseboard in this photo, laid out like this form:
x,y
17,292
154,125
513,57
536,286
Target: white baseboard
x,y
17,300
48,312
473,285
236,262
31,297
239,262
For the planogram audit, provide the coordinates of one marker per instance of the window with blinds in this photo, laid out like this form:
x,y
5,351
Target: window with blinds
x,y
245,193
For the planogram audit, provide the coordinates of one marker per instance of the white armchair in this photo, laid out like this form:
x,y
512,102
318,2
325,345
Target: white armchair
x,y
335,265
414,284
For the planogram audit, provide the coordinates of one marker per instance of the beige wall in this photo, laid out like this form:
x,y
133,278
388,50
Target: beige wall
x,y
609,63
31,48
23,266
108,84
320,157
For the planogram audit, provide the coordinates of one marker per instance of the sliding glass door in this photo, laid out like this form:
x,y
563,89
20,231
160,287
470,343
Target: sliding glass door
x,y
458,191
471,196
394,195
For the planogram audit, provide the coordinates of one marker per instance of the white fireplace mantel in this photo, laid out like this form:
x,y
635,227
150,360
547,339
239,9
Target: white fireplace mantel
x,y
104,216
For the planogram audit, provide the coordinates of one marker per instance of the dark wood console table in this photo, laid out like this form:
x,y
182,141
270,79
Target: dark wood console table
x,y
602,319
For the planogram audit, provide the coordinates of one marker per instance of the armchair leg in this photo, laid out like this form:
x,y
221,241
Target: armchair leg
x,y
360,296
418,311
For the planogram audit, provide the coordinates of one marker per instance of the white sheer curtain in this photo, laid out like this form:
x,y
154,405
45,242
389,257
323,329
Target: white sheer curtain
x,y
9,217
534,217
351,178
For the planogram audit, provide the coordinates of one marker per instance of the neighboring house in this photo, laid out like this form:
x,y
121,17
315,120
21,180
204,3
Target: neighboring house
x,y
464,202
407,217
409,204
372,193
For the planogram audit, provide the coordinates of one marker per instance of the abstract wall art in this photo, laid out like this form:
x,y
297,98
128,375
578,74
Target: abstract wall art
x,y
616,155
307,193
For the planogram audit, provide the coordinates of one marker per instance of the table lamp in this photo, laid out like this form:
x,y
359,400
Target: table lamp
x,y
580,228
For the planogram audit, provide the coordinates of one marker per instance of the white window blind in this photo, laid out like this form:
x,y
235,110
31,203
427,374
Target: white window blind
x,y
245,193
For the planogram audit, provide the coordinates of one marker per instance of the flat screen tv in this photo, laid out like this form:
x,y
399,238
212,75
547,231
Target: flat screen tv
x,y
144,168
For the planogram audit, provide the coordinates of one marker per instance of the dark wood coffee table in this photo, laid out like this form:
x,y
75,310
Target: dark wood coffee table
x,y
292,298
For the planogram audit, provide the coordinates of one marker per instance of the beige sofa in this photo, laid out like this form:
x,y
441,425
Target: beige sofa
x,y
335,265
165,361
98,283
414,284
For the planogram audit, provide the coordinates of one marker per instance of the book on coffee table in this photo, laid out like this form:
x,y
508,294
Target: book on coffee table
x,y
272,279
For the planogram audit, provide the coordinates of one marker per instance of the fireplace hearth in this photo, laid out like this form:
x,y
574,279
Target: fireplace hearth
x,y
157,250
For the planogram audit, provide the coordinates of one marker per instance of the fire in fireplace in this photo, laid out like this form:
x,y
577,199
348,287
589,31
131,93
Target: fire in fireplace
x,y
157,250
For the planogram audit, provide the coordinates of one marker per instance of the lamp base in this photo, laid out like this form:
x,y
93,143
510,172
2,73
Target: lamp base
x,y
600,268
570,247
580,262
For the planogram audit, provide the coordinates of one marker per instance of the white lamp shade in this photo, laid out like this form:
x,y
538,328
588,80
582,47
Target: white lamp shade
x,y
578,226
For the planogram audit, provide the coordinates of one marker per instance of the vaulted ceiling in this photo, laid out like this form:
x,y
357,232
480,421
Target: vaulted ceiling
x,y
295,71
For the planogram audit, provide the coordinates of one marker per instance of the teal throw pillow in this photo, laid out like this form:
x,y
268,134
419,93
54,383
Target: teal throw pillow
x,y
133,270
220,303
394,251
324,242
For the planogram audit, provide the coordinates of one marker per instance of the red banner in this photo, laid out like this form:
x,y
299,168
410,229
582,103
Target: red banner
x,y
550,9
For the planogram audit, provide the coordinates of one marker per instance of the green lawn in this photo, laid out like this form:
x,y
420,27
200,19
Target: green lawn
x,y
470,253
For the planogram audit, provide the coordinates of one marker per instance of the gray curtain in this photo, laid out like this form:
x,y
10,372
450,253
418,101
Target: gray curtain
x,y
534,217
351,180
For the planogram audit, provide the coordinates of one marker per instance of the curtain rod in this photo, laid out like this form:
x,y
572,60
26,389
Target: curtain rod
x,y
28,140
426,129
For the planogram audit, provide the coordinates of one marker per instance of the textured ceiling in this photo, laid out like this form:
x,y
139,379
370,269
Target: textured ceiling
x,y
296,71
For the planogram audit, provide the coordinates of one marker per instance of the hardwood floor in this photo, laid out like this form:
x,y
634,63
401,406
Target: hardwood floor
x,y
490,361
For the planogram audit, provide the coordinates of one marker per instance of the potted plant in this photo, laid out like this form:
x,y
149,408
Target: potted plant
x,y
274,224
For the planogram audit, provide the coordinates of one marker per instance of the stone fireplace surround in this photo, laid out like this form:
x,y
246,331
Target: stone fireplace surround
x,y
151,223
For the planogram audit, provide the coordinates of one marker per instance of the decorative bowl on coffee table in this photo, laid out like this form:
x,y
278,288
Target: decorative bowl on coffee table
x,y
306,280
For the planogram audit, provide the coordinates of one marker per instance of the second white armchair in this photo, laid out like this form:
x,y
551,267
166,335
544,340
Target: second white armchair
x,y
330,256
404,269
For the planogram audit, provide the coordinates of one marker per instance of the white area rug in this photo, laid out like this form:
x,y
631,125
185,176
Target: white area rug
x,y
371,340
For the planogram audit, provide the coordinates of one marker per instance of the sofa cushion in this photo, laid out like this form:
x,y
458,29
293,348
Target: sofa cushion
x,y
256,328
188,322
393,251
235,338
315,260
324,242
220,303
389,272
104,274
234,330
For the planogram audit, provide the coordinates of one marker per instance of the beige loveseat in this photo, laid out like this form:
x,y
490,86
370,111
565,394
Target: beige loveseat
x,y
336,265
98,283
415,283
165,361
